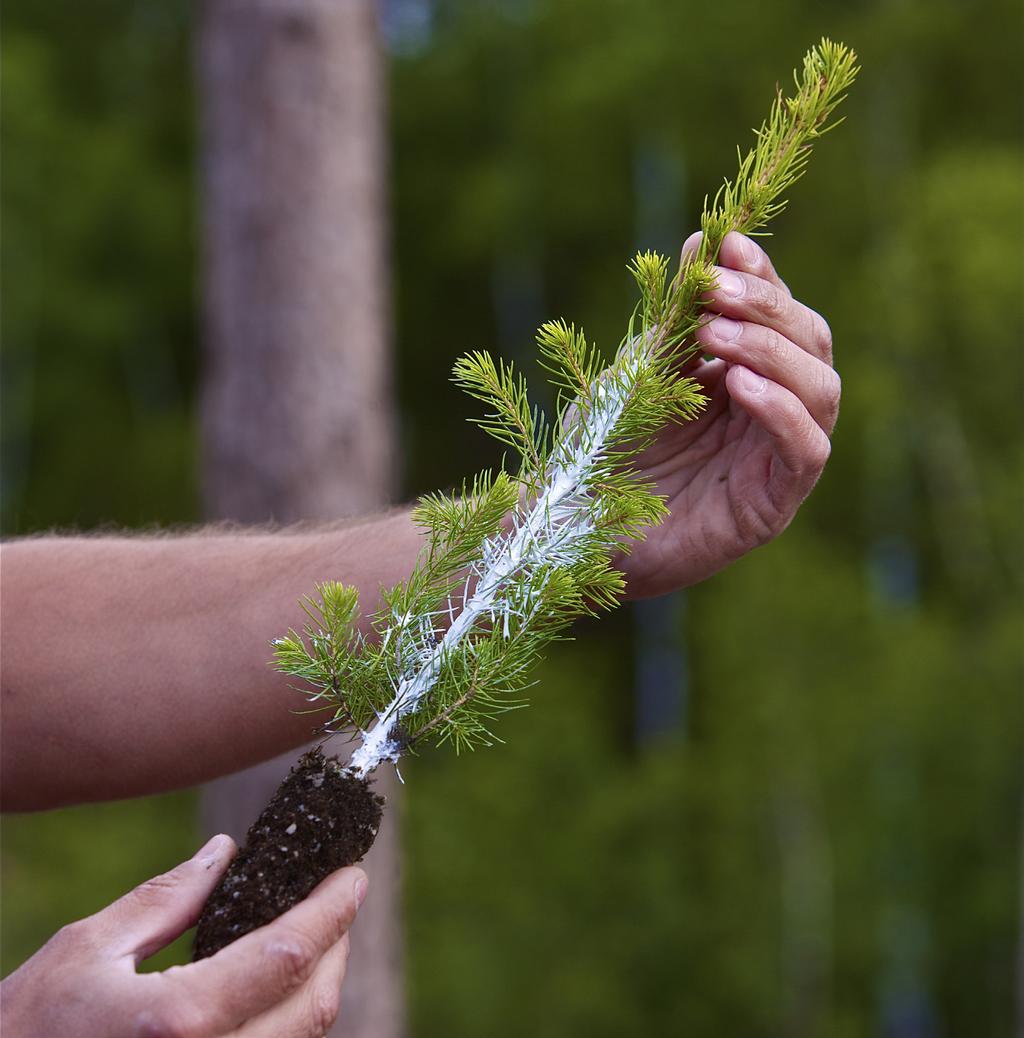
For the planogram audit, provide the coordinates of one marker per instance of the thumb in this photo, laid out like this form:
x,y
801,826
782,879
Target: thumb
x,y
690,246
152,915
693,360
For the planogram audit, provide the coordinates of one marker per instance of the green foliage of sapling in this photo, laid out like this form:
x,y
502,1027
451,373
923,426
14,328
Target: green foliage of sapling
x,y
514,557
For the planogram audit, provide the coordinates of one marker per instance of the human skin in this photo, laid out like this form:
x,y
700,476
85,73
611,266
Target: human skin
x,y
135,665
734,478
283,979
118,652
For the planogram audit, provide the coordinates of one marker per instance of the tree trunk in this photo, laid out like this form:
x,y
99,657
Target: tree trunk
x,y
297,415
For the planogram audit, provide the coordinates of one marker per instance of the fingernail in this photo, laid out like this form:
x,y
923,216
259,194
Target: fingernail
x,y
726,329
752,382
211,850
731,284
360,890
749,250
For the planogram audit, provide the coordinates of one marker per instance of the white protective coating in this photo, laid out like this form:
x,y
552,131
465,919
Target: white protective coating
x,y
548,534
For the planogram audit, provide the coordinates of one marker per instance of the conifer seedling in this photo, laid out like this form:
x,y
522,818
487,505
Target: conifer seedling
x,y
514,555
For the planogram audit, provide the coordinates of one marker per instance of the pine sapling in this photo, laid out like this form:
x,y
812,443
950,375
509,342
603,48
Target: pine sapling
x,y
512,557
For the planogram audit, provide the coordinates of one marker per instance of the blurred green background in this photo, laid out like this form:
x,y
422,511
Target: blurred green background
x,y
790,801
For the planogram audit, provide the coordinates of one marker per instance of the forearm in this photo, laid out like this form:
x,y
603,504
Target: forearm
x,y
135,665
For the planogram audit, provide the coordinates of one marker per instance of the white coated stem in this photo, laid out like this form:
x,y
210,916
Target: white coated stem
x,y
552,528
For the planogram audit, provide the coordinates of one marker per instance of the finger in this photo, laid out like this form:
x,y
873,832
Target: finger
x,y
688,361
800,445
152,915
749,298
764,350
691,245
742,253
710,375
309,1012
261,969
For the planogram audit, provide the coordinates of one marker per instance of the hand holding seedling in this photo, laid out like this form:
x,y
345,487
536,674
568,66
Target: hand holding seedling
x,y
719,452
727,464
283,980
734,477
633,448
715,456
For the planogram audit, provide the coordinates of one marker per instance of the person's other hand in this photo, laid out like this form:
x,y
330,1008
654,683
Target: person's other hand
x,y
735,477
280,981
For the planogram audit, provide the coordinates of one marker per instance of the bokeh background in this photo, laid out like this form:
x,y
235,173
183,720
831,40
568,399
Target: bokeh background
x,y
789,801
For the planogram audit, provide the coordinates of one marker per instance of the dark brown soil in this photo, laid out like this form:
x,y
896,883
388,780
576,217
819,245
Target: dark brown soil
x,y
320,819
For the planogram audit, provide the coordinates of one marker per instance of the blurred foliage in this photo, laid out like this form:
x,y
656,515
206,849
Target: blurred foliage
x,y
61,865
830,844
98,264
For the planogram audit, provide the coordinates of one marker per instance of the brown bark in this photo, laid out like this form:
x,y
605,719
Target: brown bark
x,y
297,415
295,412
